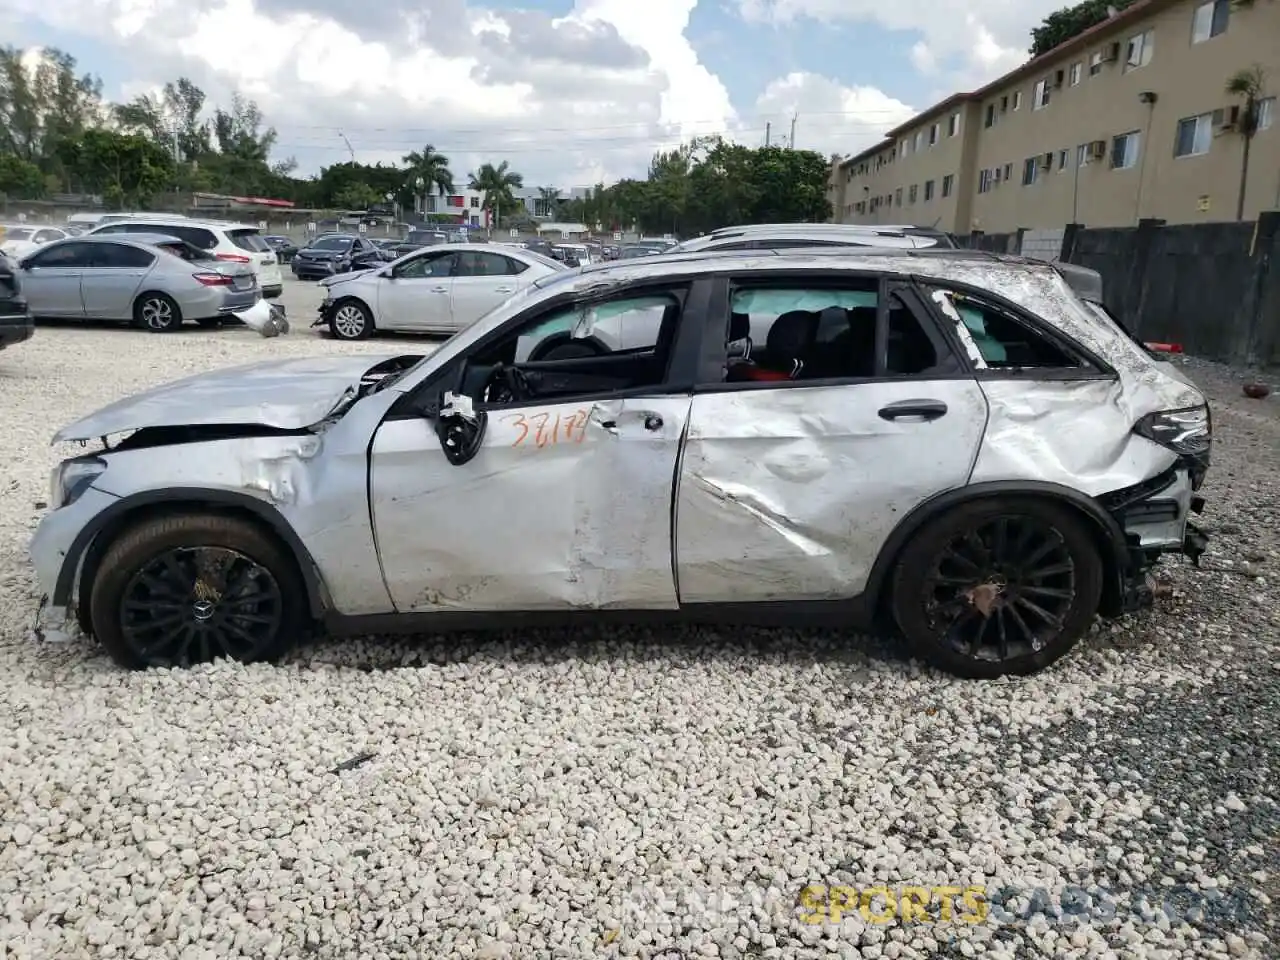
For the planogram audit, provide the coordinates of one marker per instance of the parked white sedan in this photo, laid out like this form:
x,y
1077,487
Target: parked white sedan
x,y
439,289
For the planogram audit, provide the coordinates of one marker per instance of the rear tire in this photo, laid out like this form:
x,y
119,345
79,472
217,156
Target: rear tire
x,y
998,588
185,589
350,320
157,313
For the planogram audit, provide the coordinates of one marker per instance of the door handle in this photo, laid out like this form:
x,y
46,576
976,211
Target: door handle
x,y
922,410
439,289
503,289
653,422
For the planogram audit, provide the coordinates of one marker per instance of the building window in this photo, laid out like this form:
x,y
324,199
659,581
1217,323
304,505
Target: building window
x,y
919,140
984,181
948,184
1124,150
906,147
1040,97
1209,20
1004,104
1030,166
953,125
990,121
933,135
1063,155
1195,134
1266,113
1140,49
912,192
1017,99
928,190
1074,74
475,203
1082,155
1008,171
1096,63
898,196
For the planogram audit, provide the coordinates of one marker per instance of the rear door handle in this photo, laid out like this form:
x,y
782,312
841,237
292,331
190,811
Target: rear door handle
x,y
653,422
504,289
439,289
918,410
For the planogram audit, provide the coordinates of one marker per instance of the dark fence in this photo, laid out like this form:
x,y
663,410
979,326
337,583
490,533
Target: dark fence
x,y
1214,288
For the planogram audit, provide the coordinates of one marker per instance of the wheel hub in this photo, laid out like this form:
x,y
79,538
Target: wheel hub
x,y
203,610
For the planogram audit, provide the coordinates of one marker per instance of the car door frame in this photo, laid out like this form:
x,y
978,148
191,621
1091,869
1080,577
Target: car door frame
x,y
512,285
386,279
862,607
25,268
120,310
422,404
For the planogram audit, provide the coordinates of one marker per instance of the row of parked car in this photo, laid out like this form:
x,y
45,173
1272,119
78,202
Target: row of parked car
x,y
155,272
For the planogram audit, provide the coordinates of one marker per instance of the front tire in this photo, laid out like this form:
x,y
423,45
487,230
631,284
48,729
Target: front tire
x,y
186,589
157,313
350,320
998,587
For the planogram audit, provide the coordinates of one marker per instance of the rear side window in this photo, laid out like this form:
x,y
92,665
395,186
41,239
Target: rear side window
x,y
783,334
196,236
248,239
121,256
1005,341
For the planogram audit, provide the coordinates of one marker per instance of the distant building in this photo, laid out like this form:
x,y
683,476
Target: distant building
x,y
1128,120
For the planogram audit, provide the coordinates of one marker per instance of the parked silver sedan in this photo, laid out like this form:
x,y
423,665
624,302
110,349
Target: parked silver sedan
x,y
152,280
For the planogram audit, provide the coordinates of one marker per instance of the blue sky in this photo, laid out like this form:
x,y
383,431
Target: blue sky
x,y
570,90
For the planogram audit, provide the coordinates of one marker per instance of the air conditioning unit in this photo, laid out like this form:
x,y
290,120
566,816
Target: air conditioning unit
x,y
1097,149
1226,119
1111,53
1059,77
1046,162
996,178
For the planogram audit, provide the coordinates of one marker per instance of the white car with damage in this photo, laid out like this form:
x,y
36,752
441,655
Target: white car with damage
x,y
953,443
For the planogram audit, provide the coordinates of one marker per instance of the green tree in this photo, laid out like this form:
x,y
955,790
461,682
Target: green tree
x,y
20,179
1250,85
43,105
126,168
549,201
357,196
1069,22
432,168
497,184
239,131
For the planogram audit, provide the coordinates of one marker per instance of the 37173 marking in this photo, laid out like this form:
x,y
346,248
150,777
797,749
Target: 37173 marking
x,y
544,430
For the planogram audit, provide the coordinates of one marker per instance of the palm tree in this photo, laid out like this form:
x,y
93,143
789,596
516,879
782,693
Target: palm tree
x,y
549,200
432,169
1249,83
496,183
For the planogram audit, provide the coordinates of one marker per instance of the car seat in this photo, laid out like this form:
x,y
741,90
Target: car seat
x,y
787,346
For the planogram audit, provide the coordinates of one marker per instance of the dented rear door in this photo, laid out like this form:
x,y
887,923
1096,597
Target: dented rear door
x,y
789,490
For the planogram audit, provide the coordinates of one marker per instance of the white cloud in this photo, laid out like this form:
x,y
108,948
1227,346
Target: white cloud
x,y
972,41
830,117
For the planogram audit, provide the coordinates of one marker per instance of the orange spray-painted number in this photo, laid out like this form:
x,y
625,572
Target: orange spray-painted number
x,y
547,430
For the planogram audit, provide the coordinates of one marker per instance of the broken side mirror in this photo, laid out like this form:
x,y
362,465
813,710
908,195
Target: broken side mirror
x,y
460,427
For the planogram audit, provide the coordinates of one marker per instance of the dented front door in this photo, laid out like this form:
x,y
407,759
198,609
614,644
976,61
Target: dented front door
x,y
789,494
566,506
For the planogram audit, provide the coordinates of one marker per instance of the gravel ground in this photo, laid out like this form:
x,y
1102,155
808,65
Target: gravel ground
x,y
635,793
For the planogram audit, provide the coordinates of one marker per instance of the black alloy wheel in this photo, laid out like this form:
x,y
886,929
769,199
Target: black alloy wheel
x,y
994,589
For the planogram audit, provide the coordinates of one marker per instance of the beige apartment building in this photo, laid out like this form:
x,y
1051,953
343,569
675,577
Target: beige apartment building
x,y
1129,120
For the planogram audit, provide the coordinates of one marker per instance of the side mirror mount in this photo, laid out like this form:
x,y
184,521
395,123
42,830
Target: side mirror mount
x,y
460,427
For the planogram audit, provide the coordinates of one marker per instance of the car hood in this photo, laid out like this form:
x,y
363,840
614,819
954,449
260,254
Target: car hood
x,y
285,394
322,254
349,276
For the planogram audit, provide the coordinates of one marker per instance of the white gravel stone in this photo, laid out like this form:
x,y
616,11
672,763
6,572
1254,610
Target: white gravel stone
x,y
545,794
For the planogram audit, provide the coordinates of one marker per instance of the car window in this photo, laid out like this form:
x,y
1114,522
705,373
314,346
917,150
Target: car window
x,y
438,266
120,256
477,264
549,262
65,255
247,238
581,350
783,334
196,236
332,243
47,236
17,233
1003,340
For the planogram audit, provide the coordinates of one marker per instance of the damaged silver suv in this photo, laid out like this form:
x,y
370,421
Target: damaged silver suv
x,y
964,446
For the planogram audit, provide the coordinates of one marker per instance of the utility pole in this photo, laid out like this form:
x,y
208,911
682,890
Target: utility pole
x,y
793,130
767,128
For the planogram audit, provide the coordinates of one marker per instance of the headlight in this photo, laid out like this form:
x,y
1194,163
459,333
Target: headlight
x,y
1189,430
71,478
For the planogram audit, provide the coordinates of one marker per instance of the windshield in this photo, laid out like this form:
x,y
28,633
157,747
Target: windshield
x,y
332,243
629,253
549,262
248,238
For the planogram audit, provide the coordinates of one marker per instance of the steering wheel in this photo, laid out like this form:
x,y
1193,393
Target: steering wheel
x,y
506,385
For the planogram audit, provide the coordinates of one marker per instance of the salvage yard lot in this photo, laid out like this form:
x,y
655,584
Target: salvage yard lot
x,y
618,792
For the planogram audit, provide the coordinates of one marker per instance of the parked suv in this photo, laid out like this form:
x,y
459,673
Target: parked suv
x,y
953,440
231,242
16,323
334,253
